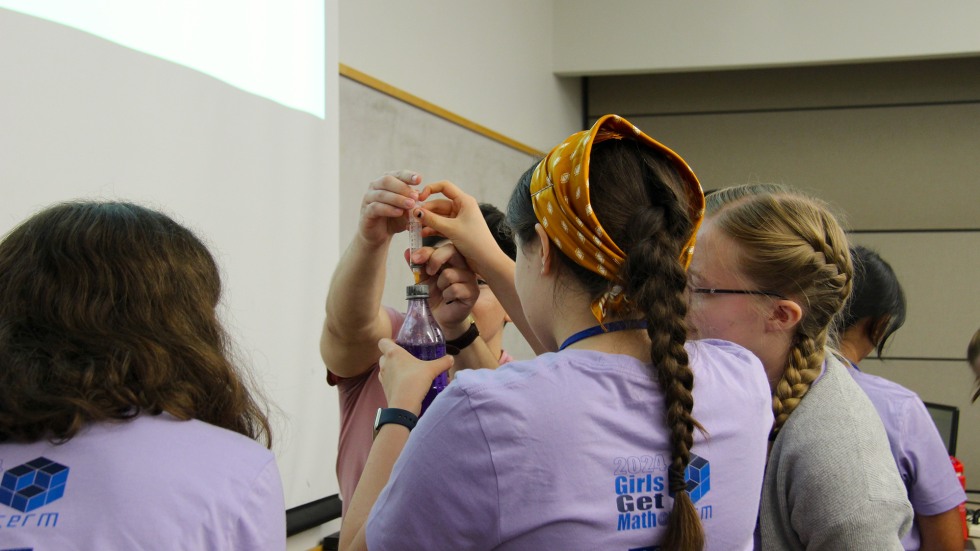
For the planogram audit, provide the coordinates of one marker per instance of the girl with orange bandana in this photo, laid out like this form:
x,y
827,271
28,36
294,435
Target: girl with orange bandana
x,y
627,436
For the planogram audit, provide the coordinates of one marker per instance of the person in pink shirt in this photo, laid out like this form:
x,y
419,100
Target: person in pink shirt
x,y
464,306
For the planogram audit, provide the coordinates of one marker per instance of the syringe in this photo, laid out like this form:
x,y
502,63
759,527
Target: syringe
x,y
414,244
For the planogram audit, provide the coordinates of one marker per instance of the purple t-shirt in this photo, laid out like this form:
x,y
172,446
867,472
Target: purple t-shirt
x,y
918,449
152,483
570,451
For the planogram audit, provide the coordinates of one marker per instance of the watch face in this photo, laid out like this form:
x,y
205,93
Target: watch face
x,y
377,418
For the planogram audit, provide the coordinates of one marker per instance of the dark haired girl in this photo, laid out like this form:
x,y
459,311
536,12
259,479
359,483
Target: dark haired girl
x,y
628,436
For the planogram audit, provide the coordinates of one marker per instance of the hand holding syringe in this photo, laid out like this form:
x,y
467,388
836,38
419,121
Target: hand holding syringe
x,y
414,244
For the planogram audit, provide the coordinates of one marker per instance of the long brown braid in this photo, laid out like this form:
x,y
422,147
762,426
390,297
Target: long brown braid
x,y
791,245
655,282
640,201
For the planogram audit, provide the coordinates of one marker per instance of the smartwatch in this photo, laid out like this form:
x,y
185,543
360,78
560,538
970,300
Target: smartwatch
x,y
394,415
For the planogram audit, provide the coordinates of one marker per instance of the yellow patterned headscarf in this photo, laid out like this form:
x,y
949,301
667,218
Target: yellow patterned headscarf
x,y
560,196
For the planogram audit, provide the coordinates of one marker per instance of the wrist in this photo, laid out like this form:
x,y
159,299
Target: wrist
x,y
414,407
394,416
455,345
453,331
372,244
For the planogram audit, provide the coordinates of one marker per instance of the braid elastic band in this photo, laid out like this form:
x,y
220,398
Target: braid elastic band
x,y
676,481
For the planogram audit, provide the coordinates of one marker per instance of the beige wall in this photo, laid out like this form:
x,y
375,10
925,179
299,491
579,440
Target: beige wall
x,y
489,62
892,146
644,36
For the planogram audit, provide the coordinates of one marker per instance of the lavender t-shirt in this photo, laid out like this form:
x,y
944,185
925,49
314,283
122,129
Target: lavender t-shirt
x,y
152,483
569,451
919,452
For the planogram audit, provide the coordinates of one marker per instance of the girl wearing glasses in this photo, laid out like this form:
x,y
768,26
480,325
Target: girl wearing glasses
x,y
771,271
627,437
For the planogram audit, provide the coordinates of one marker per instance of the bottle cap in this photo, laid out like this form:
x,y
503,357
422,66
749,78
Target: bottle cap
x,y
417,291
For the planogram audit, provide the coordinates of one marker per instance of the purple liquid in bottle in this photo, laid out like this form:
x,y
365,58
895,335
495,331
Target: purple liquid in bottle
x,y
430,352
422,337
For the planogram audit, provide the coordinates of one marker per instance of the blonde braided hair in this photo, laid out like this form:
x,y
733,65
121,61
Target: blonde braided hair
x,y
791,245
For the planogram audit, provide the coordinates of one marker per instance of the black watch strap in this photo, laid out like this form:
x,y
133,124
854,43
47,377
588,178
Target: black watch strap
x,y
454,346
394,415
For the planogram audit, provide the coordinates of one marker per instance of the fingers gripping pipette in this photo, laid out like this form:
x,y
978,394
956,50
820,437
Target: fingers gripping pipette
x,y
414,244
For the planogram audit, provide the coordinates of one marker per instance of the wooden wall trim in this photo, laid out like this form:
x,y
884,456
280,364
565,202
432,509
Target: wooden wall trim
x,y
401,95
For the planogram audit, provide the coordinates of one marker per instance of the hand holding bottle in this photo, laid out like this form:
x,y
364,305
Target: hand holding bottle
x,y
406,379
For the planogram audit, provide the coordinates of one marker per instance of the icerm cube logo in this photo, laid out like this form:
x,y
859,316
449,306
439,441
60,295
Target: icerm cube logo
x,y
698,476
33,484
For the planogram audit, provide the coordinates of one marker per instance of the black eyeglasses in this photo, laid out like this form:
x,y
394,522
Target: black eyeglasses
x,y
736,292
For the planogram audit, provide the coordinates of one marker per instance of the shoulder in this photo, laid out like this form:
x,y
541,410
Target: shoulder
x,y
834,426
835,405
835,385
536,388
550,368
900,408
517,371
717,351
874,385
727,366
168,444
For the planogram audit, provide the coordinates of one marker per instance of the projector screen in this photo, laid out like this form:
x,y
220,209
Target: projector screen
x,y
222,114
274,49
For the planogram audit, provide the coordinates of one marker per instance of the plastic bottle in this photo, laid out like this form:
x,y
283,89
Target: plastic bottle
x,y
422,337
958,468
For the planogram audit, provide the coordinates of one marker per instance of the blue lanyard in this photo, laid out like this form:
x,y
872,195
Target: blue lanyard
x,y
599,329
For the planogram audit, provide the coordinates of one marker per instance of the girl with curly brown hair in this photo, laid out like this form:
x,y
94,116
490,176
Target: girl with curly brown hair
x,y
124,423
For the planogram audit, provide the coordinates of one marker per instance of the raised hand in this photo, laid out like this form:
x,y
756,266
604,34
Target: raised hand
x,y
458,218
385,205
453,287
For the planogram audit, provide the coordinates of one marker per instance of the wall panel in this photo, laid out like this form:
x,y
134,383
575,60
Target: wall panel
x,y
892,146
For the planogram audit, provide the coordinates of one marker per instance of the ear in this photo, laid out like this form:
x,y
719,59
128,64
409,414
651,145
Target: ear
x,y
784,316
545,249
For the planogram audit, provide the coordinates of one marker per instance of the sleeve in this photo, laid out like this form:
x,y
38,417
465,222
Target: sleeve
x,y
869,525
262,520
933,487
840,508
442,493
844,490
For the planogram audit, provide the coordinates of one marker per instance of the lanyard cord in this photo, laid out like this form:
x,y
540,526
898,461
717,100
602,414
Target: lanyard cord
x,y
623,325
